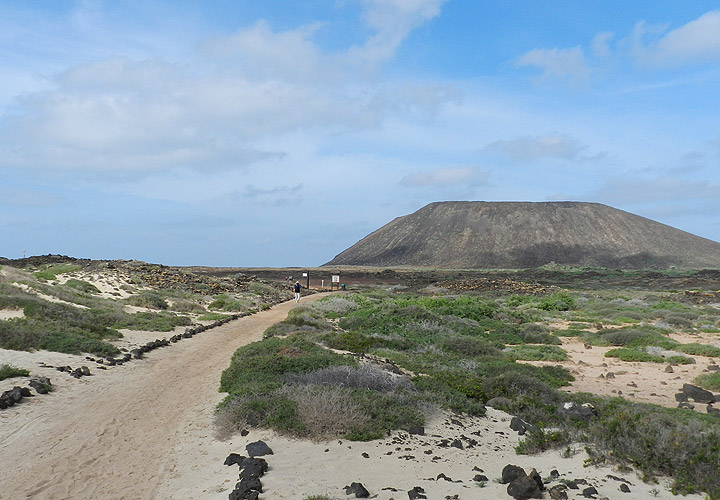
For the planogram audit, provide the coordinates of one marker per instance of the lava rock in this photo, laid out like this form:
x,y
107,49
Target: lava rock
x,y
357,489
511,472
524,487
416,492
698,394
258,449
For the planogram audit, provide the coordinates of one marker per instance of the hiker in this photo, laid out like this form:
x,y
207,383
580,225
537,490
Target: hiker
x,y
297,291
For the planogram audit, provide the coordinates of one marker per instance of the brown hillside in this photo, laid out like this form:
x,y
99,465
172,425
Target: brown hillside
x,y
512,235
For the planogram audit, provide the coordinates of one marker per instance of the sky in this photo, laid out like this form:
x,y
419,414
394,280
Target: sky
x,y
279,133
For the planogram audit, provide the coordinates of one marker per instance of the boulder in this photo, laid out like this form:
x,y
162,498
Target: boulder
x,y
510,473
417,430
518,425
357,489
524,487
579,412
258,449
245,488
41,384
558,492
416,492
253,468
698,394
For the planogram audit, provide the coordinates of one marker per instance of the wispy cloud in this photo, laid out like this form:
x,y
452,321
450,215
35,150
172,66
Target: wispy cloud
x,y
530,148
695,42
554,63
444,177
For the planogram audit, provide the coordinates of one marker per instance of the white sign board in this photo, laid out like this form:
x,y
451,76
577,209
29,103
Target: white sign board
x,y
336,278
304,275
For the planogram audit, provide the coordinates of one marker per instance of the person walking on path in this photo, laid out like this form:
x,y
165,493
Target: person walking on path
x,y
298,286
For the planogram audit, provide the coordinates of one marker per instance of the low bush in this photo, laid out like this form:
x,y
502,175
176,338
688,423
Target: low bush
x,y
709,381
150,300
699,350
51,272
633,354
536,353
9,371
82,286
470,347
227,303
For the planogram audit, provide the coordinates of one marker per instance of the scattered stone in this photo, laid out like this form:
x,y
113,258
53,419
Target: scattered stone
x,y
365,455
558,492
357,489
669,369
624,488
536,477
510,473
416,492
524,487
589,492
517,424
258,449
417,430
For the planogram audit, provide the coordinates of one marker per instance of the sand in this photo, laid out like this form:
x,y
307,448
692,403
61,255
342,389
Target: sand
x,y
144,431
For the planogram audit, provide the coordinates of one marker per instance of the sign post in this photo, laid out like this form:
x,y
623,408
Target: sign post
x,y
306,274
335,281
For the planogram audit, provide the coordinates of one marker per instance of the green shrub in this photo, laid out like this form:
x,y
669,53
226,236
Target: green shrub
x,y
151,300
536,353
228,303
212,316
51,272
9,371
631,354
558,301
82,286
699,350
709,381
470,346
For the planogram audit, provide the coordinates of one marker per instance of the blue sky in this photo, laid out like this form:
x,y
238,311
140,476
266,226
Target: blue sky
x,y
278,133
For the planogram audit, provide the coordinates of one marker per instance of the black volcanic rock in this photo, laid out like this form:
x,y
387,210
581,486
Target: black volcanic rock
x,y
512,235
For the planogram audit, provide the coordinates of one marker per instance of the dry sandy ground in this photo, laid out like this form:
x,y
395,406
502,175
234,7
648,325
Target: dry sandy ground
x,y
144,431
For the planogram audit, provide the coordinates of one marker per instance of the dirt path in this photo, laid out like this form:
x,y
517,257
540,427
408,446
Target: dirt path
x,y
113,435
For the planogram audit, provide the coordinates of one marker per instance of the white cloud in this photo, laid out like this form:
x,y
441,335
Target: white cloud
x,y
122,115
443,177
529,148
392,21
696,41
557,63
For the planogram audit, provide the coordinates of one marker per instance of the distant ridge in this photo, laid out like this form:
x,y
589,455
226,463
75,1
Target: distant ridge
x,y
515,235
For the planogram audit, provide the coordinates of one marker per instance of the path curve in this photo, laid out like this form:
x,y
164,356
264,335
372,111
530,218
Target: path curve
x,y
113,435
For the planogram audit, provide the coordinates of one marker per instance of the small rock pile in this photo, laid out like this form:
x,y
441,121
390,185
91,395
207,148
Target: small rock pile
x,y
251,470
490,285
15,395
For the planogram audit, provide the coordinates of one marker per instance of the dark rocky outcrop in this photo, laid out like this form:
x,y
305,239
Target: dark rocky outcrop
x,y
698,394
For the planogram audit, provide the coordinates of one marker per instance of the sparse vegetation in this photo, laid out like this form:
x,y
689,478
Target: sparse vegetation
x,y
462,351
9,371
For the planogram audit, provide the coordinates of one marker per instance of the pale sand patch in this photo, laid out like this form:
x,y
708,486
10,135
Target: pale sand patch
x,y
112,284
643,382
303,468
11,314
49,298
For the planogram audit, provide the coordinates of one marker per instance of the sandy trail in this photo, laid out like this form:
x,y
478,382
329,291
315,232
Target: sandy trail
x,y
113,435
